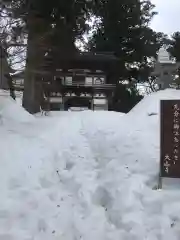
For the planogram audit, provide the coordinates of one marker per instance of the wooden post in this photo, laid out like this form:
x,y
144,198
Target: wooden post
x,y
159,181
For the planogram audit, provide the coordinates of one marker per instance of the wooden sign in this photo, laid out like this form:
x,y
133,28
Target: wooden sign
x,y
170,139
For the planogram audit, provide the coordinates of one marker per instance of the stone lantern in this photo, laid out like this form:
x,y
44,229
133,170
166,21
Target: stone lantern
x,y
165,69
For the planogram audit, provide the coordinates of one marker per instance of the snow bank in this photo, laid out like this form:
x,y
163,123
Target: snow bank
x,y
151,104
85,175
128,163
10,110
48,181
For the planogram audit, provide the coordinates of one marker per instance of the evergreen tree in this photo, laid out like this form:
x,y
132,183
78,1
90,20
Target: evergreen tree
x,y
174,46
174,50
48,24
122,27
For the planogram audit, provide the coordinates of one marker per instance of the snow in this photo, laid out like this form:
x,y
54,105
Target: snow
x,y
85,175
151,104
9,110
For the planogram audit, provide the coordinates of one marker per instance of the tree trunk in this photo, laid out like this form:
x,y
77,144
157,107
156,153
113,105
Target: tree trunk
x,y
31,100
11,87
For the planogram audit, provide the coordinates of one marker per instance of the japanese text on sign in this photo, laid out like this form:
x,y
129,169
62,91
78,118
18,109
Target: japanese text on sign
x,y
170,138
176,132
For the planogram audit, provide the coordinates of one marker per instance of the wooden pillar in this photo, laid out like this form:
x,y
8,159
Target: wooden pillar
x,y
92,99
63,100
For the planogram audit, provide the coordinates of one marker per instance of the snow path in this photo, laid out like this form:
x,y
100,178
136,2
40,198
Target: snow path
x,y
84,176
70,181
124,190
31,205
75,166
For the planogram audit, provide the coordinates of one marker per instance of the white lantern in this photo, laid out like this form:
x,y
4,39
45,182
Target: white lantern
x,y
163,56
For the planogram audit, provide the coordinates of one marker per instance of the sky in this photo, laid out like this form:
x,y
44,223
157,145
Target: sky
x,y
168,19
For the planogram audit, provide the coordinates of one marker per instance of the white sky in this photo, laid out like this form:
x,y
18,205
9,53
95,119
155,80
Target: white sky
x,y
168,19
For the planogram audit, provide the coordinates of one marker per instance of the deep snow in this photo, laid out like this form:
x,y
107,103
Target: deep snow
x,y
85,175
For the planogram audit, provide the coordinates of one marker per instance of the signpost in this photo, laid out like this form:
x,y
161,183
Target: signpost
x,y
170,139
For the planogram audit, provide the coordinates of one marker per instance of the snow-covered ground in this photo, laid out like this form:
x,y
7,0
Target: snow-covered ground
x,y
85,175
